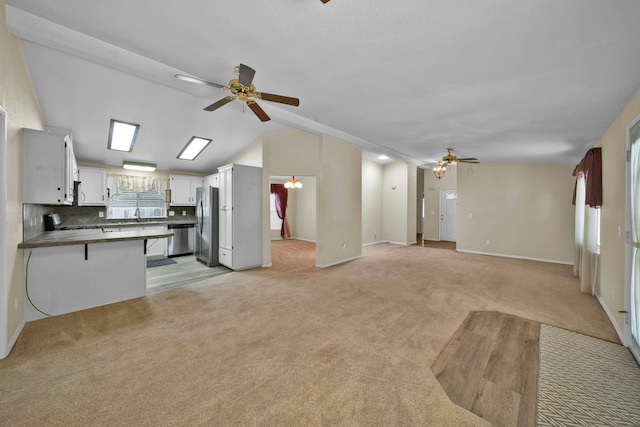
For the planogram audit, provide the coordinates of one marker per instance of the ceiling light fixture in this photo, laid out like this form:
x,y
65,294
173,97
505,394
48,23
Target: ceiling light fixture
x,y
293,182
439,170
137,166
122,135
194,147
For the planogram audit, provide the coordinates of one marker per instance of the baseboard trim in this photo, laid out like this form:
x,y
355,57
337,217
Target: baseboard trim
x,y
553,261
304,240
13,339
373,243
399,243
611,319
338,262
267,265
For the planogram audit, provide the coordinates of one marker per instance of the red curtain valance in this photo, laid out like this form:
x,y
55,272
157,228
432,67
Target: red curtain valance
x,y
590,167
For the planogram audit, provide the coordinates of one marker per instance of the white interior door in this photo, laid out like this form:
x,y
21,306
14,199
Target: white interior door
x,y
448,203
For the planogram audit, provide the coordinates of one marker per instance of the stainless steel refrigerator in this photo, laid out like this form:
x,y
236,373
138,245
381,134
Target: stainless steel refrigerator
x,y
207,225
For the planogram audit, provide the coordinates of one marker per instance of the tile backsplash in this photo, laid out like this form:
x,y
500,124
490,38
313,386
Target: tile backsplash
x,y
33,223
32,220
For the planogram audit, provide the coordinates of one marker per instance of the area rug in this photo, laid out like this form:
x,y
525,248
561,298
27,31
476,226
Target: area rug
x,y
158,262
585,381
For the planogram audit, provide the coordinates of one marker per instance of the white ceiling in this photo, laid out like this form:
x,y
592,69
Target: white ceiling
x,y
500,80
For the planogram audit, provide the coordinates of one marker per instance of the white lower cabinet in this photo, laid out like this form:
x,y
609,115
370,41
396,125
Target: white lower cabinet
x,y
156,248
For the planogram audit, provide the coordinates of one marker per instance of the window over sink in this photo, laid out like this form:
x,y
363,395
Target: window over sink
x,y
130,204
136,197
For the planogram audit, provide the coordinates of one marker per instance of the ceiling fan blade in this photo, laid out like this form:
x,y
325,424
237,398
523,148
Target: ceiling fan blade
x,y
198,81
245,75
466,158
258,111
279,98
220,103
468,161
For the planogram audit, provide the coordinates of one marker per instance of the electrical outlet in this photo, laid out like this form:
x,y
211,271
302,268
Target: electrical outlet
x,y
488,242
184,213
172,213
344,246
101,214
15,303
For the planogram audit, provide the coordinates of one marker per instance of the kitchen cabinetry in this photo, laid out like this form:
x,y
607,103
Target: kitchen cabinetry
x,y
240,204
92,190
49,168
156,247
183,189
211,181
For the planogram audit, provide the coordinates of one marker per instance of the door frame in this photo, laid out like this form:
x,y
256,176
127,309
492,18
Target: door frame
x,y
627,337
440,212
4,275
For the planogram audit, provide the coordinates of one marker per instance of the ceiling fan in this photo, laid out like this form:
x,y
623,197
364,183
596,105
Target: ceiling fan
x,y
440,167
243,89
450,158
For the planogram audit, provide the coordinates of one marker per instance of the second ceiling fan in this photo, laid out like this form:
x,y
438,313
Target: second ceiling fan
x,y
243,89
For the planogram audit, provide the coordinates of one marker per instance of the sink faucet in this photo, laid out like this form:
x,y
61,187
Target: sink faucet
x,y
137,214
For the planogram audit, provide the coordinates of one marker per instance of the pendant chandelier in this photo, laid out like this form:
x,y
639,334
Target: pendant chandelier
x,y
293,182
440,169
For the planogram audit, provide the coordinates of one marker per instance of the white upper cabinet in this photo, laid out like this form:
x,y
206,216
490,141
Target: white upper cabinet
x,y
211,181
183,189
49,168
92,190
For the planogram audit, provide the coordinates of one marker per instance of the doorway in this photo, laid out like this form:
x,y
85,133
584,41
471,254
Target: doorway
x,y
448,204
297,249
4,277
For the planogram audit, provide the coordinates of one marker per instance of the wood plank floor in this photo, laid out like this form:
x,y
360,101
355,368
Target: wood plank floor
x,y
490,367
186,270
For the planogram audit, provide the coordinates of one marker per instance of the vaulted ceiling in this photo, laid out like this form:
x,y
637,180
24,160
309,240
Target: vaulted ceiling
x,y
528,80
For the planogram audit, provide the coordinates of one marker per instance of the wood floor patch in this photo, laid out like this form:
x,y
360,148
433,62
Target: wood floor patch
x,y
490,367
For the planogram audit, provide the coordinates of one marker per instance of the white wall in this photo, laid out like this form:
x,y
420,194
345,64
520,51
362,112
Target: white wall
x,y
336,165
305,209
611,281
18,99
524,209
396,203
372,227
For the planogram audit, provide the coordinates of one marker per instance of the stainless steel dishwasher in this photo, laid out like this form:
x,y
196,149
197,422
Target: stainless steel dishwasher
x,y
181,243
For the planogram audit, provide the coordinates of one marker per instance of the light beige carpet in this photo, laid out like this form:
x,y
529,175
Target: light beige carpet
x,y
346,345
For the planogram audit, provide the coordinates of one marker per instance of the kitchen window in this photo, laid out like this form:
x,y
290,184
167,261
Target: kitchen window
x,y
129,204
136,197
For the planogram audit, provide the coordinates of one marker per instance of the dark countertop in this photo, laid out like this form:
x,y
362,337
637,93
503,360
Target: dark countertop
x,y
81,237
121,224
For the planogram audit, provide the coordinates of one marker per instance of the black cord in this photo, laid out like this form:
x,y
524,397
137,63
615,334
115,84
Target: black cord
x,y
26,286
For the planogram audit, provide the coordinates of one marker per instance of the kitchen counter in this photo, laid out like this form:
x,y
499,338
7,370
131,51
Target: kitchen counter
x,y
119,224
89,236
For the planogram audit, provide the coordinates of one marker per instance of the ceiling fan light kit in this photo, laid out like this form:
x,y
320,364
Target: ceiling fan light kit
x,y
439,170
450,159
244,90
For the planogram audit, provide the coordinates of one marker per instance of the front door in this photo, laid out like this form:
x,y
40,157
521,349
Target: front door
x,y
448,202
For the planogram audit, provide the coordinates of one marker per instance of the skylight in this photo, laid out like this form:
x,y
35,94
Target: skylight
x,y
194,147
122,135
